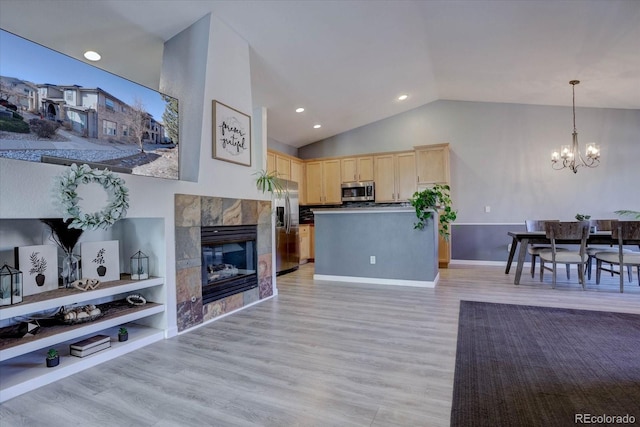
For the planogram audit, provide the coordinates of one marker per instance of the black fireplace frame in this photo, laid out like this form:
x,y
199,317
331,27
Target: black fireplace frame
x,y
218,235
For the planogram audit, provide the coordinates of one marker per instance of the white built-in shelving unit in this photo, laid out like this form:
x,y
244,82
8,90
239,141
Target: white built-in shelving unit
x,y
22,360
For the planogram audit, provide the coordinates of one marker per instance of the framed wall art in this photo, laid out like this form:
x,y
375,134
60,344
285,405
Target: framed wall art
x,y
101,260
231,134
39,265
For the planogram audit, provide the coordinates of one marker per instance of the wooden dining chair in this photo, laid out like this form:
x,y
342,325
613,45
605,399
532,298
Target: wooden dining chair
x,y
622,231
534,250
592,250
565,231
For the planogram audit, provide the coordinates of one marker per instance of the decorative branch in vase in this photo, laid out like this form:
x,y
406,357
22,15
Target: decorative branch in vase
x,y
66,238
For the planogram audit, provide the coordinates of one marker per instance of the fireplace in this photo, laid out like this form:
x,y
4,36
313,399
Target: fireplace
x,y
229,261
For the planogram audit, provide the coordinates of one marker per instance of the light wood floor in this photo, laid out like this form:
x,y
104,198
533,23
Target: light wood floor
x,y
320,354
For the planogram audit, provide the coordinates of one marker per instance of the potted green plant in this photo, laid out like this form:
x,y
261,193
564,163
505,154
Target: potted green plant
x,y
123,334
269,181
436,198
53,358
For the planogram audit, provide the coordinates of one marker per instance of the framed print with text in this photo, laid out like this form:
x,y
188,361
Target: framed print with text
x,y
231,134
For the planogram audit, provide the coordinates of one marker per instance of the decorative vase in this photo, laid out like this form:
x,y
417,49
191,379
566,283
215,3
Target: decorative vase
x,y
53,362
102,270
70,270
40,279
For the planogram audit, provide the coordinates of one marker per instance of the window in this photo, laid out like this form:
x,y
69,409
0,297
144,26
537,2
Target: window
x,y
109,128
125,130
109,104
68,95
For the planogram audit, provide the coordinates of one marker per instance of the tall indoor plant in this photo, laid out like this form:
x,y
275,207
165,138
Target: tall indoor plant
x,y
436,198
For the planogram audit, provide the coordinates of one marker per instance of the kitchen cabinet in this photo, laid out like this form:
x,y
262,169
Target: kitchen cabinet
x,y
297,175
271,162
283,167
432,167
395,177
357,169
432,164
323,182
304,243
312,242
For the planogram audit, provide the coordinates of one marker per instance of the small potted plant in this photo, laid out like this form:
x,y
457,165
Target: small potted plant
x,y
53,358
583,217
432,199
123,334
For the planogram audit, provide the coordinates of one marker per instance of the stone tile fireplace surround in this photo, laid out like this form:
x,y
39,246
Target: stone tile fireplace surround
x,y
193,212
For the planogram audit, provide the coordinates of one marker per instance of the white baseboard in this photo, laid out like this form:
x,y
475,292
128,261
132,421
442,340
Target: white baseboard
x,y
378,281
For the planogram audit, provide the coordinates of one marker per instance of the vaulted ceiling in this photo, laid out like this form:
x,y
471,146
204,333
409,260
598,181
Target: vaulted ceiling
x,y
346,62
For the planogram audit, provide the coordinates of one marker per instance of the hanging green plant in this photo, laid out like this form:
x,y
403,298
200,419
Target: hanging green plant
x,y
269,182
435,198
113,185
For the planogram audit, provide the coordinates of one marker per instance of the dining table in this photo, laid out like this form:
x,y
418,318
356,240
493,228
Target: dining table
x,y
525,238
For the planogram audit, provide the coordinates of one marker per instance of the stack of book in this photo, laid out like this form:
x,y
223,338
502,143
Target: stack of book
x,y
90,345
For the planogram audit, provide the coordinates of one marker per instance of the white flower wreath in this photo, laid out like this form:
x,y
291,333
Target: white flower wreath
x,y
115,210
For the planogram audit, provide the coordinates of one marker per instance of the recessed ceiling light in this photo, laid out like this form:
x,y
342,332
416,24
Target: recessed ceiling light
x,y
299,110
317,126
92,56
402,97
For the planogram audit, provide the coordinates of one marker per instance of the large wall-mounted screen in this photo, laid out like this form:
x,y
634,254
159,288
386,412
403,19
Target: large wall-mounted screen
x,y
57,109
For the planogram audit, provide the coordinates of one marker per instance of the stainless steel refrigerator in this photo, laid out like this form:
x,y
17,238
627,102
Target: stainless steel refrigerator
x,y
287,233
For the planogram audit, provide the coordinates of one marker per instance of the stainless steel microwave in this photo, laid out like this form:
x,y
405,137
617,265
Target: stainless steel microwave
x,y
358,191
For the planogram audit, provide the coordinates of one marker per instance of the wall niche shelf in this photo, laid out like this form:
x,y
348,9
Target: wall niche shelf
x,y
22,360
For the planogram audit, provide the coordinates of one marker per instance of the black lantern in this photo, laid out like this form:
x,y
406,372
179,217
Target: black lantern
x,y
139,266
10,285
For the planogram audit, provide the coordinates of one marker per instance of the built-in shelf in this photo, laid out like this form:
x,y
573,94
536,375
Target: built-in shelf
x,y
22,360
28,371
67,296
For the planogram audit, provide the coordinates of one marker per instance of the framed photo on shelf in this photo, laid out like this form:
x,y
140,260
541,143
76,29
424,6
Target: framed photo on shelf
x,y
231,134
101,260
39,266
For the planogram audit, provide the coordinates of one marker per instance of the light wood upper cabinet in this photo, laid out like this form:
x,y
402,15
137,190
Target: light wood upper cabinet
x,y
395,177
432,163
271,162
405,176
283,166
357,169
297,175
323,182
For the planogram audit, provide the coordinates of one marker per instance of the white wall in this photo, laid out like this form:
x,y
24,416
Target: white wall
x,y
500,157
206,61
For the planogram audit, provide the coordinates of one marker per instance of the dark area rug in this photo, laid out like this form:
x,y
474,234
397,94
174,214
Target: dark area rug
x,y
520,365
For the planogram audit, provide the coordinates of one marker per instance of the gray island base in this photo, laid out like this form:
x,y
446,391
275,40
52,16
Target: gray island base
x,y
375,245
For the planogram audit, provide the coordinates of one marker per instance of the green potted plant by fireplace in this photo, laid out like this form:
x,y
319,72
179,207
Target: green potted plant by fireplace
x,y
436,198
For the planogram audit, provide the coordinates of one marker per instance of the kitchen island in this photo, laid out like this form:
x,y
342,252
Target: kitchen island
x,y
375,245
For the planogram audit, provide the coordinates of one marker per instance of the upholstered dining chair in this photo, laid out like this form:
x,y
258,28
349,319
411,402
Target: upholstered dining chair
x,y
565,230
622,230
534,250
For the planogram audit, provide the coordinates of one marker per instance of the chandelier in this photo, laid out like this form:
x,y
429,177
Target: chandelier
x,y
569,156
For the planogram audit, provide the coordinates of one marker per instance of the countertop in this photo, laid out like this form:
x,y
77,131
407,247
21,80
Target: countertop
x,y
365,210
